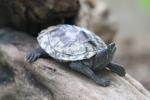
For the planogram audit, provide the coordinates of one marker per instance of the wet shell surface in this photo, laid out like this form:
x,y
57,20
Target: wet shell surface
x,y
70,43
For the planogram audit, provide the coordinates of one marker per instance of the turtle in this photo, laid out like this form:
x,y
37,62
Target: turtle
x,y
81,49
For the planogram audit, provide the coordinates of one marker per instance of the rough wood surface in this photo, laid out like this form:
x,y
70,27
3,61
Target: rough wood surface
x,y
57,81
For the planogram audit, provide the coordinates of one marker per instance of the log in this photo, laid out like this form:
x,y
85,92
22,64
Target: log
x,y
33,15
56,81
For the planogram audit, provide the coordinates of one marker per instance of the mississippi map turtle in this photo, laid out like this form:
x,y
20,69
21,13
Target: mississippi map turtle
x,y
83,50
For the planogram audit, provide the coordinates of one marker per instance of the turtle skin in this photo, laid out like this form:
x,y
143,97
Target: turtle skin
x,y
80,67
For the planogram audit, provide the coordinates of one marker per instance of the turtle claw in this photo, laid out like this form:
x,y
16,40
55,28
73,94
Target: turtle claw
x,y
32,56
103,82
120,71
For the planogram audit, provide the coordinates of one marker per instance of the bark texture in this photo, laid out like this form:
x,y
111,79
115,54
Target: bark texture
x,y
49,80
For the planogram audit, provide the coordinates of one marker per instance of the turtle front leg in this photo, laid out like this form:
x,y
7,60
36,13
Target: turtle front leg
x,y
118,69
78,66
35,54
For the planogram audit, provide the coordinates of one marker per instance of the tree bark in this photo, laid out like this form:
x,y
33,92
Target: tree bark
x,y
57,81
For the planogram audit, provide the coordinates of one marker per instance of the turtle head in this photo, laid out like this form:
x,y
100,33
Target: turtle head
x,y
105,56
111,49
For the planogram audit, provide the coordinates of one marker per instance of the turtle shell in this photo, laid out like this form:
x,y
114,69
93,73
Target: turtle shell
x,y
69,42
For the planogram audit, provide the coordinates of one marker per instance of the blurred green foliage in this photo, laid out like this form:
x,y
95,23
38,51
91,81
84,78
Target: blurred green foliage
x,y
145,5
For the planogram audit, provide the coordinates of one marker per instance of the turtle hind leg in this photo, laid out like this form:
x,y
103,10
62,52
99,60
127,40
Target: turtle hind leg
x,y
78,66
35,54
118,69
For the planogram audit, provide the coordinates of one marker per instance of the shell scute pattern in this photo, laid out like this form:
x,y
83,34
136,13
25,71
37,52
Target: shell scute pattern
x,y
70,43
